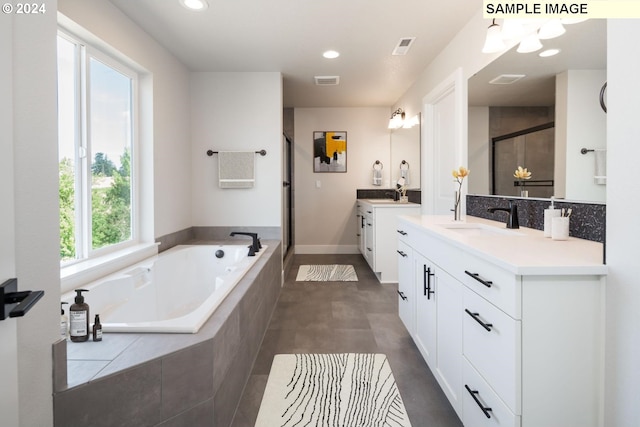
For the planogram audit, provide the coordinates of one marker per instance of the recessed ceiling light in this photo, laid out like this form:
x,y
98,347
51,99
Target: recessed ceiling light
x,y
331,54
549,52
195,4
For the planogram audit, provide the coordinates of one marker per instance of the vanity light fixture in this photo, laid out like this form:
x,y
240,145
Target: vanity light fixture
x,y
409,123
493,43
331,54
397,119
551,29
197,5
531,43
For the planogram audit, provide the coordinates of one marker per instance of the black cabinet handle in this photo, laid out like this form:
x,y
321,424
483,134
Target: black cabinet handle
x,y
487,326
402,253
369,249
362,221
369,224
473,393
402,296
426,279
404,233
476,276
369,212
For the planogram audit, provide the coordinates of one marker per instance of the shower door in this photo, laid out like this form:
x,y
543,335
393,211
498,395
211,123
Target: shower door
x,y
531,148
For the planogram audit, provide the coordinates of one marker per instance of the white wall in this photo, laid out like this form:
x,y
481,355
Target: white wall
x,y
8,328
623,230
580,122
231,112
29,144
325,219
168,178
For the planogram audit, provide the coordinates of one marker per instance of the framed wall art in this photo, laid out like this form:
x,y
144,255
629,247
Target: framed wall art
x,y
329,151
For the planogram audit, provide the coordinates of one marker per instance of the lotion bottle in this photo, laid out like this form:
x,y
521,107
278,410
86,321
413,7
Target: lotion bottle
x,y
64,323
79,318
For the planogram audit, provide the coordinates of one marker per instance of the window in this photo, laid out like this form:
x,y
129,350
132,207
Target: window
x,y
97,148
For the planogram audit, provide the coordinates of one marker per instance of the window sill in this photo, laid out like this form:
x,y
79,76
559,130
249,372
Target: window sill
x,y
81,273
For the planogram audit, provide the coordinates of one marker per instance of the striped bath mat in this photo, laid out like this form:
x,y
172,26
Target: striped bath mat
x,y
331,390
327,273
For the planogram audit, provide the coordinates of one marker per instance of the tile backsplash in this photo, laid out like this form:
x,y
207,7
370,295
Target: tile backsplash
x,y
587,219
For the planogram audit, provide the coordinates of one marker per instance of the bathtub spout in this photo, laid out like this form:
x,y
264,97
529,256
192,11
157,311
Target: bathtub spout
x,y
255,246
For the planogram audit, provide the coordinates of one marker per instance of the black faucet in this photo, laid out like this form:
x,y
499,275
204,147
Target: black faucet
x,y
255,245
512,210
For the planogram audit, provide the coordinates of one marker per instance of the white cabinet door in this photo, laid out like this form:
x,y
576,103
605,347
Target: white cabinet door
x,y
449,337
406,287
425,285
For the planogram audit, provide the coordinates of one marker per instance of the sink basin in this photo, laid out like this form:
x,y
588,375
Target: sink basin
x,y
475,229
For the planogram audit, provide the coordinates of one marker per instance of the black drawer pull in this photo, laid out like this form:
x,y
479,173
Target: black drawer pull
x,y
369,224
402,296
473,394
427,281
487,326
404,233
476,276
369,212
369,249
402,253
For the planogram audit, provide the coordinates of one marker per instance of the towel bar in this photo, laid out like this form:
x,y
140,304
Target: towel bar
x,y
261,152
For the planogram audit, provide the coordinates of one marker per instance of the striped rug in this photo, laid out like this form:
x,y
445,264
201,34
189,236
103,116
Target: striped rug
x,y
326,273
331,390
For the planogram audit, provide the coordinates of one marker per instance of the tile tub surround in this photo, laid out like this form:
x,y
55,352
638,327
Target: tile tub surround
x,y
172,379
587,219
197,234
383,193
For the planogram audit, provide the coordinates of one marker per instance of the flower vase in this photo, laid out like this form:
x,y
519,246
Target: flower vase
x,y
523,192
456,206
404,199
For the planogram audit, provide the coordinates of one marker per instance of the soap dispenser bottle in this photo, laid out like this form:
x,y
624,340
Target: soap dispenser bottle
x,y
79,318
549,214
64,322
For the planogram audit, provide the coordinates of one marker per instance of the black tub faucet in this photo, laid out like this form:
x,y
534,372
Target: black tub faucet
x,y
512,210
255,245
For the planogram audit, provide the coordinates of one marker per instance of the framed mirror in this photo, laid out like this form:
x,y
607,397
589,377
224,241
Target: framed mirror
x,y
518,92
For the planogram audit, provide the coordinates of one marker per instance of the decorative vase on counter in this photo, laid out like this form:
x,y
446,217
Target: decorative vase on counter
x,y
404,199
456,206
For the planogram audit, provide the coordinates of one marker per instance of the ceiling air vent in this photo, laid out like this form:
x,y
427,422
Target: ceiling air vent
x,y
327,80
506,79
403,46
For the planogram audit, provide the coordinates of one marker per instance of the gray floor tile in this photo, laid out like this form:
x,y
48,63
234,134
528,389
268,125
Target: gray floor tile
x,y
342,317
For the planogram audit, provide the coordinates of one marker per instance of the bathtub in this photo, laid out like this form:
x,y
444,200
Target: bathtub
x,y
173,292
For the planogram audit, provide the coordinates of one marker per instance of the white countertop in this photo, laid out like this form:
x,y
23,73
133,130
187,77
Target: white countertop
x,y
522,251
387,203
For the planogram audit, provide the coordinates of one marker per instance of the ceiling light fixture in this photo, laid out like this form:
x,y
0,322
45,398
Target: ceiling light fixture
x,y
331,54
397,119
549,52
493,43
195,4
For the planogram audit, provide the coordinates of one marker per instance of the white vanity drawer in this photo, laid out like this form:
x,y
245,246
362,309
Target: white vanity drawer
x,y
502,288
492,343
481,407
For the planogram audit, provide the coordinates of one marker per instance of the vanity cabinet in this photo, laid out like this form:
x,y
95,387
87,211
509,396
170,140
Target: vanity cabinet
x,y
379,243
437,296
511,325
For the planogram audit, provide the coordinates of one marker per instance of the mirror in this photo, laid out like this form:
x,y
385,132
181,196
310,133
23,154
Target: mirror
x,y
499,113
405,155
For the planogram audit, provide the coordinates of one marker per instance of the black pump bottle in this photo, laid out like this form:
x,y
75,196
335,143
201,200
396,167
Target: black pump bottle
x,y
79,318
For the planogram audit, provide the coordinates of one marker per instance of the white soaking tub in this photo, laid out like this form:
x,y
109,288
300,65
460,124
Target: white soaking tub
x,y
173,292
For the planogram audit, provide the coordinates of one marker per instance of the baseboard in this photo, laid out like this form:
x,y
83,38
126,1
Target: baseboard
x,y
326,249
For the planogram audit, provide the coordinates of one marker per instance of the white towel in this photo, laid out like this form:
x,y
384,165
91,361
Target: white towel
x,y
600,176
377,177
236,169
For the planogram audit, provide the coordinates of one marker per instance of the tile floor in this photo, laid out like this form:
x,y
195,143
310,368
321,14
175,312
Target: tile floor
x,y
339,317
